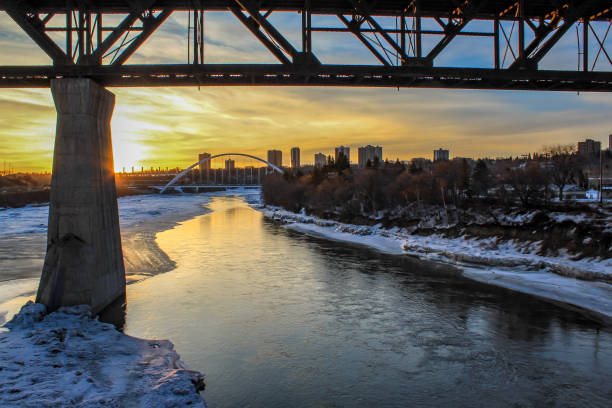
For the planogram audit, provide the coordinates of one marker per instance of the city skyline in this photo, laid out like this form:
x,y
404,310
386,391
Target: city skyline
x,y
277,154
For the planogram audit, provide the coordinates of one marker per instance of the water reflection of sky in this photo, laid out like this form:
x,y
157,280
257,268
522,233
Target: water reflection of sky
x,y
275,318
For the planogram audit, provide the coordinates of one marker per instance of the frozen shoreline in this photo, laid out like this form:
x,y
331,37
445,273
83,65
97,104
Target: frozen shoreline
x,y
133,211
502,264
141,217
69,359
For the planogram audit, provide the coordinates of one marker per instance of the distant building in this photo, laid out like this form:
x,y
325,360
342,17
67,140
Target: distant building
x,y
610,143
468,159
206,165
320,160
346,151
420,163
589,146
295,157
275,157
369,152
230,165
574,193
441,155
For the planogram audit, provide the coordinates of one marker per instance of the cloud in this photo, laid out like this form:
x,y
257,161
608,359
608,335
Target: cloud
x,y
170,126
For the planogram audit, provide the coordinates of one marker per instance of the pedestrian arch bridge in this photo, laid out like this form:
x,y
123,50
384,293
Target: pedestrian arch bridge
x,y
188,169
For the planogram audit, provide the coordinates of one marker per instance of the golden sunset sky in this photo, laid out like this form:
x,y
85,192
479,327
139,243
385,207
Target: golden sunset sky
x,y
170,126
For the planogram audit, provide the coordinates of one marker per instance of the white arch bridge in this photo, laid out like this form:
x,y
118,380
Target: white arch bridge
x,y
184,172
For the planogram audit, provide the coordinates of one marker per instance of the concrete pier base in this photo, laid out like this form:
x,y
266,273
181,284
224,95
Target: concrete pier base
x,y
84,261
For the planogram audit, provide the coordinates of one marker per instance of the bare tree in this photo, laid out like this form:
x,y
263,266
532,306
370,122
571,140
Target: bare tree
x,y
564,166
528,182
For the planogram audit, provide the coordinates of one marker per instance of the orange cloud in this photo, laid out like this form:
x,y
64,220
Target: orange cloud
x,y
170,126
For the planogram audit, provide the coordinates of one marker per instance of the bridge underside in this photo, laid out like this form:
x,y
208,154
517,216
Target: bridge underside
x,y
96,40
324,75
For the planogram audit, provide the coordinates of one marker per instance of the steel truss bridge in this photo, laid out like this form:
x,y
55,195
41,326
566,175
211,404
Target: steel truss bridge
x,y
78,38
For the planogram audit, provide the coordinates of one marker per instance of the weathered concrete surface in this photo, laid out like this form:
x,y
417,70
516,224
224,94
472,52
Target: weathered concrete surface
x,y
84,261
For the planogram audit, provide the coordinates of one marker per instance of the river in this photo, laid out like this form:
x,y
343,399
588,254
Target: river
x,y
279,319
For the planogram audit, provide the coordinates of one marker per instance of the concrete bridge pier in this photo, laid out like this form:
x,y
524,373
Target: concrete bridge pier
x,y
84,261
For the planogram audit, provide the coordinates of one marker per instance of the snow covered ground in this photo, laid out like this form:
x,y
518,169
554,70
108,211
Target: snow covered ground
x,y
132,210
505,264
23,236
68,359
23,232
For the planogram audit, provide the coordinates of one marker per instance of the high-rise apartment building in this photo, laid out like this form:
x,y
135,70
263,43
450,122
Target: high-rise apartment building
x,y
206,165
441,155
346,151
589,146
369,153
275,157
320,160
295,157
230,165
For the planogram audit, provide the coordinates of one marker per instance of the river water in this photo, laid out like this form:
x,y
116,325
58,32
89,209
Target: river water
x,y
279,319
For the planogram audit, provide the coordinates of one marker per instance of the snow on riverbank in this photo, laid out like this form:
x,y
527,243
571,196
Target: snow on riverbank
x,y
132,210
23,233
505,264
68,359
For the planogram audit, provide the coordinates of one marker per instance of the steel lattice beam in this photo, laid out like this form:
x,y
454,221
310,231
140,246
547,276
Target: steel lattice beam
x,y
253,27
600,10
451,29
94,50
354,27
324,75
150,24
35,28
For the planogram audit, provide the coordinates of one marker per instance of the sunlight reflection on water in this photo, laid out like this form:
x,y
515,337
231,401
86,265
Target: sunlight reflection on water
x,y
278,319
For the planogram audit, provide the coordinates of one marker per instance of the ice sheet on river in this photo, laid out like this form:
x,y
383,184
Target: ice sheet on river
x,y
132,210
501,264
68,359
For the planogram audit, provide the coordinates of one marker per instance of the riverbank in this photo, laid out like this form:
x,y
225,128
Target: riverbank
x,y
505,264
23,236
141,217
34,195
69,359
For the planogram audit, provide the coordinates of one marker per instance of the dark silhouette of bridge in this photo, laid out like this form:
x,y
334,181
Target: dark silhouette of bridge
x,y
84,261
521,33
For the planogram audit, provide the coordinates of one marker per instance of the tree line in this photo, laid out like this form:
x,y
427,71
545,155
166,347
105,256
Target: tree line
x,y
531,182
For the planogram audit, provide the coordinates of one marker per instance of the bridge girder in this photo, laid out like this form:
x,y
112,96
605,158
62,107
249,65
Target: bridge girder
x,y
324,75
101,52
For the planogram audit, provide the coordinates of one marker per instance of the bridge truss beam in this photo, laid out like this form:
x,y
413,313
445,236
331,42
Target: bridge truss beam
x,y
324,75
101,52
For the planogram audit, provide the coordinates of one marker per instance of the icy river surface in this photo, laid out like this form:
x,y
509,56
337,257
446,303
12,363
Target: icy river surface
x,y
275,318
278,319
